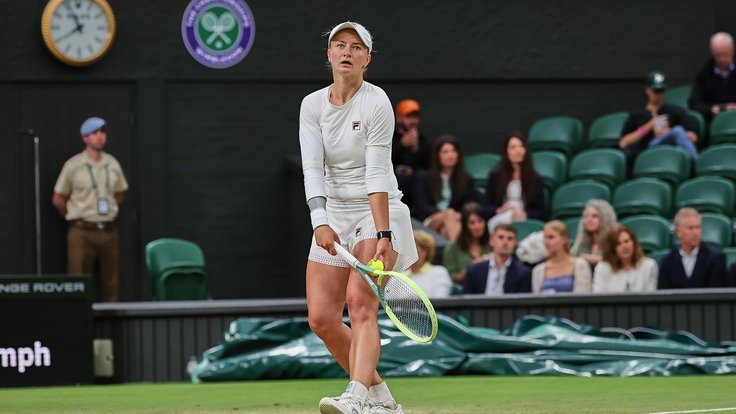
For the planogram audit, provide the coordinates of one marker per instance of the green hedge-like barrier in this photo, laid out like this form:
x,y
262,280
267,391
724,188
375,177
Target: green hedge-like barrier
x,y
267,348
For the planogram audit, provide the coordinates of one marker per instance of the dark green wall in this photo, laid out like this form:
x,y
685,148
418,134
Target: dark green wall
x,y
206,150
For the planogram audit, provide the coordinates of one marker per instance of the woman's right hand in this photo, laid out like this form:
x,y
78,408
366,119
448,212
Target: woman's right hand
x,y
460,276
505,207
479,259
325,238
592,259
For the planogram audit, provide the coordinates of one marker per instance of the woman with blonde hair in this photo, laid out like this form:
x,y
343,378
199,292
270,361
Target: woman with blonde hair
x,y
561,272
598,218
624,267
433,279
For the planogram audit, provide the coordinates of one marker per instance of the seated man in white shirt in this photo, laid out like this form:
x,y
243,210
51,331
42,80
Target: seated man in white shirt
x,y
692,264
501,273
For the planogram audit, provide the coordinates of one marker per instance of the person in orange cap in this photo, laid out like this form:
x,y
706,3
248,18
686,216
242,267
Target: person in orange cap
x,y
411,152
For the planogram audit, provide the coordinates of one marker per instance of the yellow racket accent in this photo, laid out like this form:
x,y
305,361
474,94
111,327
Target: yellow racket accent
x,y
405,303
407,306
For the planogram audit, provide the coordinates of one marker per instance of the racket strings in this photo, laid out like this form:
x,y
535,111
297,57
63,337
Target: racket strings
x,y
407,306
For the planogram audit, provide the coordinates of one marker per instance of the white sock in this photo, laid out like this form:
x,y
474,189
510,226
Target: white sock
x,y
380,393
357,389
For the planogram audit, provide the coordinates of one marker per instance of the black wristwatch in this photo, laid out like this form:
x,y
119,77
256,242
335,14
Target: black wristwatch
x,y
384,233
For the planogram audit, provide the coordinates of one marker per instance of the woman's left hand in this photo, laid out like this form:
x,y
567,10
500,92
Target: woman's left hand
x,y
385,253
518,215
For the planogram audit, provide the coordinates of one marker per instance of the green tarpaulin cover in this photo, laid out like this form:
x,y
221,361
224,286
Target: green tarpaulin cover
x,y
268,348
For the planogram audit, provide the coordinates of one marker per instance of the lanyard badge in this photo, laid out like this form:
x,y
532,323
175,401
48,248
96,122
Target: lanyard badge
x,y
103,203
103,206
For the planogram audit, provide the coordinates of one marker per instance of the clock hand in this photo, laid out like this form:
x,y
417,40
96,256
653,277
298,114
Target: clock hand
x,y
76,29
72,13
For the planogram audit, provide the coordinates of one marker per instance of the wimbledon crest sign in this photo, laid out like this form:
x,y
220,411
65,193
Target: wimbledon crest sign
x,y
218,33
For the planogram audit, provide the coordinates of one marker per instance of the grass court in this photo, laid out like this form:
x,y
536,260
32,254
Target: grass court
x,y
481,394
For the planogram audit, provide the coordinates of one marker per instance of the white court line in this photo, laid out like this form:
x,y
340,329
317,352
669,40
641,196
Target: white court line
x,y
698,411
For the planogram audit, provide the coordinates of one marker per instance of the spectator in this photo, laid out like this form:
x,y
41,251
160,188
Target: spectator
x,y
433,279
714,90
471,245
501,273
442,192
411,152
692,264
598,218
561,272
88,193
732,275
657,123
624,267
514,188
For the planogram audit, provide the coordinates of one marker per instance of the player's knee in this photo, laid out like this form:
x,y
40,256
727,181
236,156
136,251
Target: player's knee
x,y
324,324
362,310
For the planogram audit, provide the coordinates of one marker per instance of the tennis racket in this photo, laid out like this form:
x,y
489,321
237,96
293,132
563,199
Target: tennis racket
x,y
403,300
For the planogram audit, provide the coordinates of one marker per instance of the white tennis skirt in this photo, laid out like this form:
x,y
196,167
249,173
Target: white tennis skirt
x,y
353,223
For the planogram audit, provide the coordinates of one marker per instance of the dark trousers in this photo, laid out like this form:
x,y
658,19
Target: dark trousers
x,y
95,251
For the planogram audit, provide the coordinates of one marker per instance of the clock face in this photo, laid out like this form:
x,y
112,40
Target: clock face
x,y
78,32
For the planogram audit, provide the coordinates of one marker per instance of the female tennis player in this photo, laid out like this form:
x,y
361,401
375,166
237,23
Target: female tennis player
x,y
345,133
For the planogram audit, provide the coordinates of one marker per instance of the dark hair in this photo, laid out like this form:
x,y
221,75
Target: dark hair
x,y
460,180
505,227
610,242
504,173
465,238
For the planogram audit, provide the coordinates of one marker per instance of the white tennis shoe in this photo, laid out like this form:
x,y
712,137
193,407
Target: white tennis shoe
x,y
345,404
386,407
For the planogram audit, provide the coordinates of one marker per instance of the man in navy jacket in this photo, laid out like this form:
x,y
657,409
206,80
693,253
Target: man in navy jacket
x,y
714,89
501,273
692,264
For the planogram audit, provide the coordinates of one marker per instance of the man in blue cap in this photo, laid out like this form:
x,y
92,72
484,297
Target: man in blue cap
x,y
88,194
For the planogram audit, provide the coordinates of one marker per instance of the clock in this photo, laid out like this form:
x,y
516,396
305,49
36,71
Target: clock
x,y
78,32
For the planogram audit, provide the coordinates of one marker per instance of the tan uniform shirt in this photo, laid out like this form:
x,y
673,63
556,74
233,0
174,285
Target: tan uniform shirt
x,y
76,181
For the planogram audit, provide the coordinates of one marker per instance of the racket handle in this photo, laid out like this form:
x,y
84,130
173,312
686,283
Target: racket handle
x,y
346,255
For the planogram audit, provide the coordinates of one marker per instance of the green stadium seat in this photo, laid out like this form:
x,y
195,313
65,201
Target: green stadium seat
x,y
643,196
569,200
479,166
527,227
652,231
723,128
730,255
717,230
666,162
699,121
572,225
177,269
605,131
718,160
559,133
658,255
678,95
552,166
606,165
707,193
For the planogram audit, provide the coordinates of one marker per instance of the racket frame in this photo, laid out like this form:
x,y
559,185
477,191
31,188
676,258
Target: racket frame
x,y
366,272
